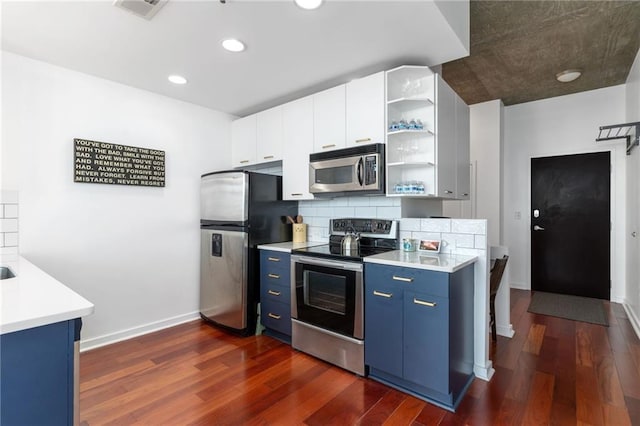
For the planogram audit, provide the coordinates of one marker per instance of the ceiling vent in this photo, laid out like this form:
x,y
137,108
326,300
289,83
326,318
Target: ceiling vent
x,y
143,8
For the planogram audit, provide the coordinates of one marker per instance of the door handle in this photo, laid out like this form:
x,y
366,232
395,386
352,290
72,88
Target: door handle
x,y
538,228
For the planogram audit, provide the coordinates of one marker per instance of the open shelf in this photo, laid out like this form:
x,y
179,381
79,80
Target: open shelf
x,y
403,131
417,99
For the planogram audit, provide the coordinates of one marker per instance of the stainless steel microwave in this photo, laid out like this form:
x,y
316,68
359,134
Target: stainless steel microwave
x,y
349,171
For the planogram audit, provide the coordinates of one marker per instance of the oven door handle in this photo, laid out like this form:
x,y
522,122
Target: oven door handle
x,y
351,266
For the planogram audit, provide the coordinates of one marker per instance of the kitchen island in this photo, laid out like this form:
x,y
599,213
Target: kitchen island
x,y
419,323
39,330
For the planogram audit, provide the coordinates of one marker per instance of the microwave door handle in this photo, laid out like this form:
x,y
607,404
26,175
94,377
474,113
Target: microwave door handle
x,y
360,171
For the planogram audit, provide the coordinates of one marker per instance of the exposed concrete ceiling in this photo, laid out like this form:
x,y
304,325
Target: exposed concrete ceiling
x,y
518,47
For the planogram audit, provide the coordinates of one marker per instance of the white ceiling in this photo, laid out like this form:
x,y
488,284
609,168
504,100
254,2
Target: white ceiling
x,y
290,52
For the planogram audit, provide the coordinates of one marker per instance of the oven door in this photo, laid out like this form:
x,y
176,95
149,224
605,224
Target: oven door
x,y
328,294
336,175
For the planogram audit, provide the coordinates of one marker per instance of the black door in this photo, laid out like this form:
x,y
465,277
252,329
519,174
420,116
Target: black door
x,y
570,224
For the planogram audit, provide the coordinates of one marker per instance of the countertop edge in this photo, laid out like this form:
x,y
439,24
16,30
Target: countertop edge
x,y
46,320
468,260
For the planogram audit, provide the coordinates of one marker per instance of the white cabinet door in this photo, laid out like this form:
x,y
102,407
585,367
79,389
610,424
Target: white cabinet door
x,y
365,110
463,180
243,141
269,135
329,119
298,140
445,140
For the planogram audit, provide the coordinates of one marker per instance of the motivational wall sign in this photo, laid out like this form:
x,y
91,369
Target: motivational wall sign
x,y
100,162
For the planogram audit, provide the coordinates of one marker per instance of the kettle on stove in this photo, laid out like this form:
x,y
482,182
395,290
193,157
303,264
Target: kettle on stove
x,y
350,242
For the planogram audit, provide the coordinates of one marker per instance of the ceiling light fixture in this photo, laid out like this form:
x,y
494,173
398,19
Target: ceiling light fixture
x,y
568,75
233,45
308,4
177,79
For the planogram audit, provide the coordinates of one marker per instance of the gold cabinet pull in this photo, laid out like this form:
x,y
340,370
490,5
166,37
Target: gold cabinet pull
x,y
244,161
276,276
273,259
379,293
363,140
268,157
331,145
406,280
274,316
423,303
274,293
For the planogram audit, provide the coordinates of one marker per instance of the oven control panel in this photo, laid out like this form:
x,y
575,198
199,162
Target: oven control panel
x,y
378,227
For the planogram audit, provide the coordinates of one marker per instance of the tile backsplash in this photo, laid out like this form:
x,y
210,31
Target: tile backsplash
x,y
317,213
8,222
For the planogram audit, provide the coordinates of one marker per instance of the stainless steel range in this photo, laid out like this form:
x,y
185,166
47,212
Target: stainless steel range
x,y
327,295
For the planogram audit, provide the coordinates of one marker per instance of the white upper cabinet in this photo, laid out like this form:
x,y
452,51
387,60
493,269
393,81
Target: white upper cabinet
x,y
446,141
269,135
243,141
329,119
463,180
298,142
365,110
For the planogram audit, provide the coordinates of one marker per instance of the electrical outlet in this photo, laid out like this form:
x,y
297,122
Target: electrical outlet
x,y
517,215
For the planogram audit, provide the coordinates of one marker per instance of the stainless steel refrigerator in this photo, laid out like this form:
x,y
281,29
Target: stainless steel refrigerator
x,y
239,210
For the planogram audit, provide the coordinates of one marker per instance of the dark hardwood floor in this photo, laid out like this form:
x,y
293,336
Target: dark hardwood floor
x,y
553,371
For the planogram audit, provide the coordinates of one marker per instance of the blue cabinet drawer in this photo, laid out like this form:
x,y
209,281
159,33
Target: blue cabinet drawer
x,y
276,279
272,291
276,316
431,282
275,262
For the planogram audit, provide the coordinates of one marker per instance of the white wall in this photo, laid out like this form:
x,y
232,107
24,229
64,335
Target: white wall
x,y
132,251
632,296
557,126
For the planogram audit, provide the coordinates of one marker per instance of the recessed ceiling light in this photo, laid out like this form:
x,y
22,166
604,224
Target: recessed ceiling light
x,y
233,45
308,4
177,79
568,75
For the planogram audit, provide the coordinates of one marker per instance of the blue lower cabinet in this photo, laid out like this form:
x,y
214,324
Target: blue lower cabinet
x,y
426,341
275,294
37,375
419,331
383,325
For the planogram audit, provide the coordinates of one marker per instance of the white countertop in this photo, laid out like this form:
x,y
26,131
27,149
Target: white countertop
x,y
416,259
33,298
289,245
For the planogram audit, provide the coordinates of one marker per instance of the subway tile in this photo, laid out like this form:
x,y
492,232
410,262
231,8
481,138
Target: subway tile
x,y
1,211
410,224
366,212
469,226
480,241
306,210
435,225
7,197
8,250
359,201
11,239
1,239
8,225
10,211
343,212
324,211
388,212
339,202
427,235
383,201
406,234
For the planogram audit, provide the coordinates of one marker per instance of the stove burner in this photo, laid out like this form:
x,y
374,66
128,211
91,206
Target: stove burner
x,y
376,236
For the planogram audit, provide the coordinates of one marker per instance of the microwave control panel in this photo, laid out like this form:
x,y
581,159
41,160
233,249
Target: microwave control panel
x,y
370,169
